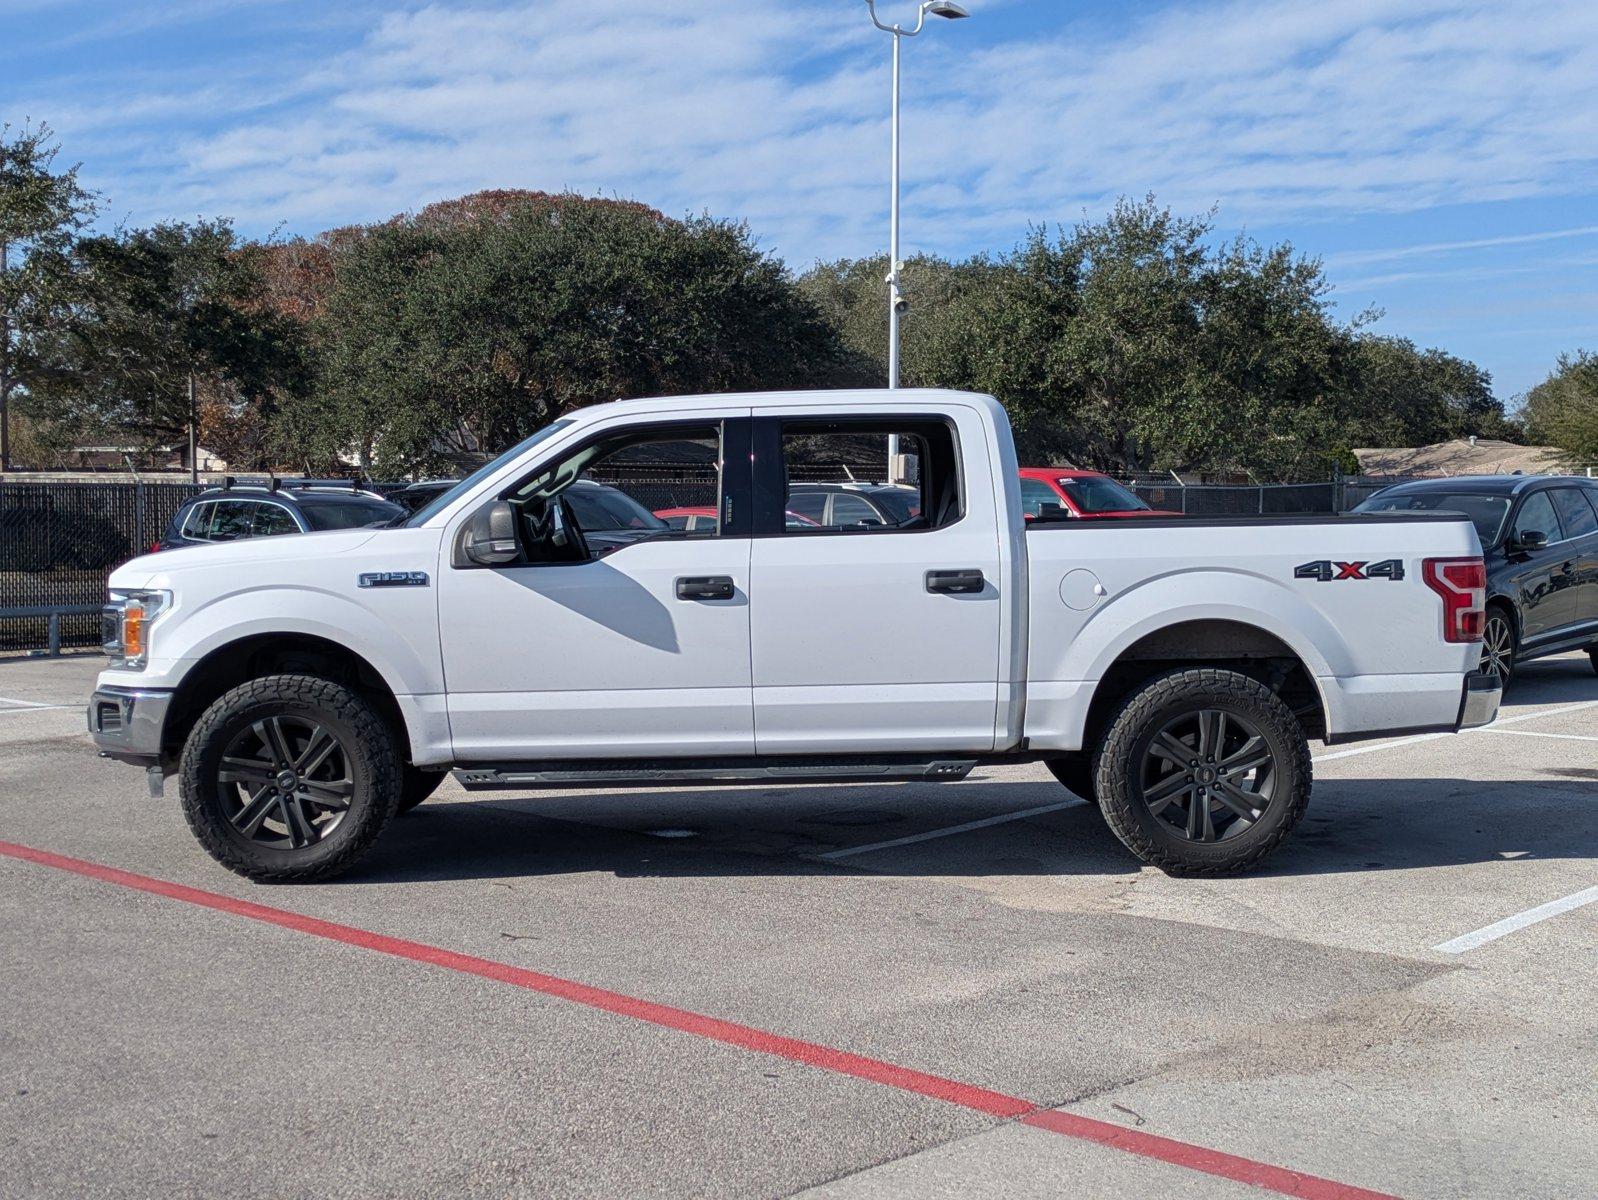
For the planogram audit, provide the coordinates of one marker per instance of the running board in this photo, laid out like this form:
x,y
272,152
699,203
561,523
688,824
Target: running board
x,y
576,773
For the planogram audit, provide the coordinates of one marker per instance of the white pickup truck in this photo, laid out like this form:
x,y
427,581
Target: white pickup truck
x,y
527,632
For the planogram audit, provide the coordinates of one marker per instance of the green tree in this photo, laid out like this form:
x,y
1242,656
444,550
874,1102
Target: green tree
x,y
1400,395
42,210
460,330
1562,410
158,310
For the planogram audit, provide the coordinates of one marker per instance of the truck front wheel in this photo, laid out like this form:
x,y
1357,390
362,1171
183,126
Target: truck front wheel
x,y
289,778
1203,772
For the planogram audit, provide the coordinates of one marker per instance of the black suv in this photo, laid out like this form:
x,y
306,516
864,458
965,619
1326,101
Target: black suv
x,y
250,510
1540,536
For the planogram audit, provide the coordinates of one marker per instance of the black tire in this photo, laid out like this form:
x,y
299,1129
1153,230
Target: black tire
x,y
1140,780
416,785
1592,656
1500,647
1075,771
258,823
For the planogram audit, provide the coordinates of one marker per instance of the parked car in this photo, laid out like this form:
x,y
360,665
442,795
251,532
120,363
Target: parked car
x,y
1080,494
235,511
1171,672
702,519
845,504
1540,537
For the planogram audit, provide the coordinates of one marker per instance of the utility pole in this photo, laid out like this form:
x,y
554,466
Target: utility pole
x,y
897,304
194,433
5,369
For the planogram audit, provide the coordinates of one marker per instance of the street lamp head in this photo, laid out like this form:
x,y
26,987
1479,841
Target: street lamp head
x,y
947,8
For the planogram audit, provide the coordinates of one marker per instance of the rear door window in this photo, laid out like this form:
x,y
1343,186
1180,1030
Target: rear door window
x,y
1035,494
230,520
1575,514
271,520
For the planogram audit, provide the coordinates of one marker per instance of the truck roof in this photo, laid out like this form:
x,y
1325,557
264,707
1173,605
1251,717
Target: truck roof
x,y
833,399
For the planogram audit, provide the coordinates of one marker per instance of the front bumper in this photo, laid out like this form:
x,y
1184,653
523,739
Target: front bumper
x,y
127,723
1479,704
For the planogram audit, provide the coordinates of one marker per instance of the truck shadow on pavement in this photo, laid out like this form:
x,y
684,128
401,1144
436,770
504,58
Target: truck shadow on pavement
x,y
1353,825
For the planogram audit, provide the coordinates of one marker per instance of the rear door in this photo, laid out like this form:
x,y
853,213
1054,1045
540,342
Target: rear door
x,y
875,637
1579,518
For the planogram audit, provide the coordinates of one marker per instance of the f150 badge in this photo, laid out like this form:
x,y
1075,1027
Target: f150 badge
x,y
1328,571
384,579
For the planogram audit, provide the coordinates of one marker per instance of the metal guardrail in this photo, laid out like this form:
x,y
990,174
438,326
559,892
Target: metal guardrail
x,y
52,614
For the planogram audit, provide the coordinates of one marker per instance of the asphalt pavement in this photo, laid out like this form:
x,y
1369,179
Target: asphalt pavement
x,y
962,990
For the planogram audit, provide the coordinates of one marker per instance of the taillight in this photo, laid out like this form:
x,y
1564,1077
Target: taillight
x,y
1462,583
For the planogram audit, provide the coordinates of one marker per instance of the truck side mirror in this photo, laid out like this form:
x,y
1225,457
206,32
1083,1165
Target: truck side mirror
x,y
1531,539
489,538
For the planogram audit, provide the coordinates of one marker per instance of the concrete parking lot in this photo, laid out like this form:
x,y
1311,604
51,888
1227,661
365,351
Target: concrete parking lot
x,y
842,992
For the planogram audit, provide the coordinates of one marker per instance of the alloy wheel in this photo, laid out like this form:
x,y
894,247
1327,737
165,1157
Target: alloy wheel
x,y
285,782
1498,648
1208,775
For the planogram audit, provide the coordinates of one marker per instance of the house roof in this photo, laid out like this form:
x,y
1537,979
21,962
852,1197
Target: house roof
x,y
1461,456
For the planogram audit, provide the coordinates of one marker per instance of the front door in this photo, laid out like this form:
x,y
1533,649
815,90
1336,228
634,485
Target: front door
x,y
874,637
637,648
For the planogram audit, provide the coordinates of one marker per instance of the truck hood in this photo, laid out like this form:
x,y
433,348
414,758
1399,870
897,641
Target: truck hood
x,y
144,570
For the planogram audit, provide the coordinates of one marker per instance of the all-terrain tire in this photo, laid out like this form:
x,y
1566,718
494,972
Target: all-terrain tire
x,y
416,785
1076,772
1166,698
369,747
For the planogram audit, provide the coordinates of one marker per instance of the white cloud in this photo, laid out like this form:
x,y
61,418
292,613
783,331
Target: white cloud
x,y
1274,111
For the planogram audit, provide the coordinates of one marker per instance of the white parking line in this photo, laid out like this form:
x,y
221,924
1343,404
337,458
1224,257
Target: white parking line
x,y
1569,737
1431,737
1520,920
952,829
34,708
32,703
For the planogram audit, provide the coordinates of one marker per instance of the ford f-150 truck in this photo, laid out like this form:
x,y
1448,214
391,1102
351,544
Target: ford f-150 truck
x,y
306,689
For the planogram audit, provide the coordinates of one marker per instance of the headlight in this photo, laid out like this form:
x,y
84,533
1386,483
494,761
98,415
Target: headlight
x,y
125,626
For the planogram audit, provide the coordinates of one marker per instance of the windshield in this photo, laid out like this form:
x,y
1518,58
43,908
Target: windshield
x,y
599,508
346,513
1487,513
1101,496
426,512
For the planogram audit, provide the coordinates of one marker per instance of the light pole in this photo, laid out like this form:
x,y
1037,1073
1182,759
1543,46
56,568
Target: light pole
x,y
897,304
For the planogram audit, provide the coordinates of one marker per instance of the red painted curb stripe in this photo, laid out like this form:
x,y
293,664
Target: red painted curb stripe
x,y
936,1087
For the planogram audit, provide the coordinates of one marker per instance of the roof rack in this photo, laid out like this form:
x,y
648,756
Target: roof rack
x,y
272,483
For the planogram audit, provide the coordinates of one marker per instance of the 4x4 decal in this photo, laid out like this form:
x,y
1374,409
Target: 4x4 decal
x,y
1328,571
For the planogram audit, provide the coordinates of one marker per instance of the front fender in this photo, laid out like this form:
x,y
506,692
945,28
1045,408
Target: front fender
x,y
187,634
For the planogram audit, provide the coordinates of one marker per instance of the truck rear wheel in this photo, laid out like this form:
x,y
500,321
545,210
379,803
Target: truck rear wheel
x,y
1075,771
289,778
1203,772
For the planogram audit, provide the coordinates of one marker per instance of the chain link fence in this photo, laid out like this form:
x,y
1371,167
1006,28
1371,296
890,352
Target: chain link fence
x,y
59,541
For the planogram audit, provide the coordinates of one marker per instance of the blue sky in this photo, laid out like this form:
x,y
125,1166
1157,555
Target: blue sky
x,y
1440,155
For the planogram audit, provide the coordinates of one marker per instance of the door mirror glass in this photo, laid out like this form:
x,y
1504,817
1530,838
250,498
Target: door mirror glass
x,y
1531,539
489,539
